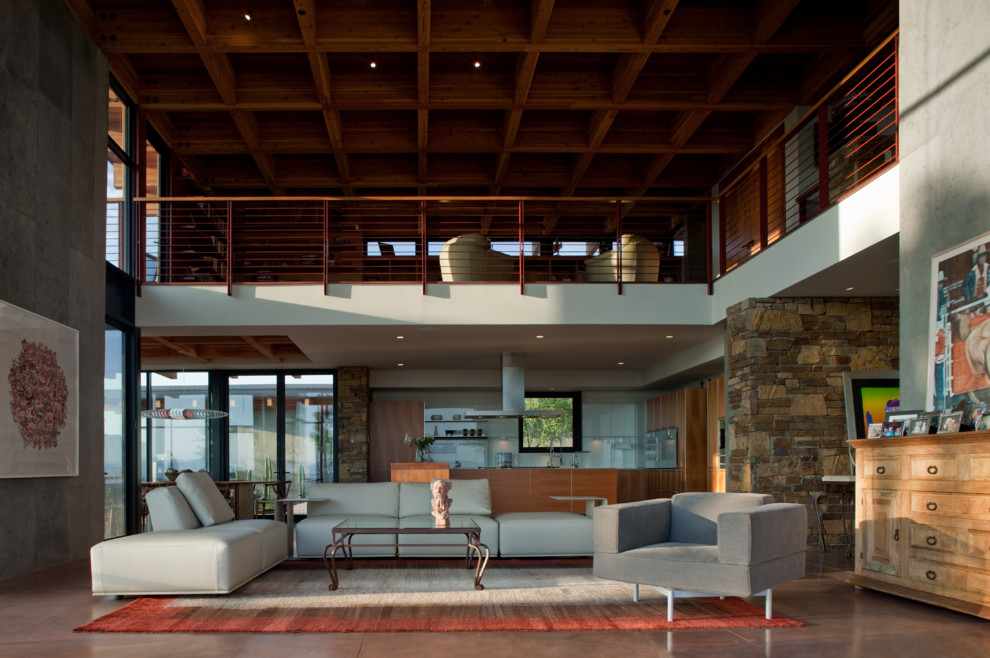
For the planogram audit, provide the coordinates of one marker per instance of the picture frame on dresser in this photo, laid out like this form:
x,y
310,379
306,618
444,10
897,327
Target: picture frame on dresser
x,y
874,431
918,426
950,422
981,418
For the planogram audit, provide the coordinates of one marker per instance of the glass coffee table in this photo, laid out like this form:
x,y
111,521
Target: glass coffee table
x,y
344,533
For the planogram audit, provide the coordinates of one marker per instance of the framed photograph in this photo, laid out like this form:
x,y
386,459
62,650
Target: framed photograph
x,y
950,422
895,428
874,431
980,417
39,399
917,426
959,326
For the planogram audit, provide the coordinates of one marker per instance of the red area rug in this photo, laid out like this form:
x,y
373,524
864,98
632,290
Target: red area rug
x,y
518,596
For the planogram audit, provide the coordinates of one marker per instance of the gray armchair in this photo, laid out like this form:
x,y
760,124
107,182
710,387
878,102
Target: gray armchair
x,y
702,544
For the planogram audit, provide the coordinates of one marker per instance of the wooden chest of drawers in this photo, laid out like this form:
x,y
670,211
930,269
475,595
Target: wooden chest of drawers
x,y
923,519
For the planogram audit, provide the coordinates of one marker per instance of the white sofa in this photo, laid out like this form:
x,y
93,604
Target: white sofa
x,y
470,499
515,534
195,546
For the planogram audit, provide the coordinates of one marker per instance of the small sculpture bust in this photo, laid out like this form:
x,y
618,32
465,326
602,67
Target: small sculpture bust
x,y
441,502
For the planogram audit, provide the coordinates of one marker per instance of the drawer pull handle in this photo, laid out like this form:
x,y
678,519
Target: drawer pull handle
x,y
931,575
932,507
931,541
881,470
897,534
933,470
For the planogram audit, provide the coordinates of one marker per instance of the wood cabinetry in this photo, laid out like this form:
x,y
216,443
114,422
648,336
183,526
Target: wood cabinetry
x,y
388,424
686,410
923,519
530,489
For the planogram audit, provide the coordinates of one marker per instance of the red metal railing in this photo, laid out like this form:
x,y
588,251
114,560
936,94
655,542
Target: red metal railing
x,y
369,240
841,144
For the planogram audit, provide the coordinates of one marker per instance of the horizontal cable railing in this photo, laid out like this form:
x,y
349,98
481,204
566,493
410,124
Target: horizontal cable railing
x,y
840,145
370,240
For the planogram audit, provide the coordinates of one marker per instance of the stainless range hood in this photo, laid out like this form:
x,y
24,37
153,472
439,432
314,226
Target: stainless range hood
x,y
514,394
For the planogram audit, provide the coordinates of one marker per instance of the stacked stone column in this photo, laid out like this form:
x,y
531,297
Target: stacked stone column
x,y
785,411
353,397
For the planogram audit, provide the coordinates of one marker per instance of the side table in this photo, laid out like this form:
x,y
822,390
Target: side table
x,y
842,486
287,514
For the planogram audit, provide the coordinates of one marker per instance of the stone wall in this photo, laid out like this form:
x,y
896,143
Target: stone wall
x,y
786,408
353,397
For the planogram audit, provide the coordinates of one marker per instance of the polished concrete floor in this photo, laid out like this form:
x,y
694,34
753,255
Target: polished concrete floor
x,y
39,611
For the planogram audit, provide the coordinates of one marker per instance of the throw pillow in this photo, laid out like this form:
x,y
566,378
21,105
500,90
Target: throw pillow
x,y
204,498
169,510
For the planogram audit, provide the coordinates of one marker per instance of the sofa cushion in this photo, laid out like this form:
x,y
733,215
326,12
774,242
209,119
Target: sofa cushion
x,y
487,526
350,498
467,497
169,510
536,534
694,515
204,498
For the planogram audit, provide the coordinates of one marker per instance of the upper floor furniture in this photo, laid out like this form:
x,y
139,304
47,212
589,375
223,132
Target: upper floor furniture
x,y
923,519
640,262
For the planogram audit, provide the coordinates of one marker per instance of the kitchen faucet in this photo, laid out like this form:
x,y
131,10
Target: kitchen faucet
x,y
550,463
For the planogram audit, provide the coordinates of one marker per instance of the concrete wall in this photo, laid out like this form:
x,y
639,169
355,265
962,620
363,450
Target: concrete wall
x,y
53,119
944,76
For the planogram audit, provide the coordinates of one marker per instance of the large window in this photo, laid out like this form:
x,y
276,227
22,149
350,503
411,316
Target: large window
x,y
178,444
280,426
114,510
120,178
309,436
561,432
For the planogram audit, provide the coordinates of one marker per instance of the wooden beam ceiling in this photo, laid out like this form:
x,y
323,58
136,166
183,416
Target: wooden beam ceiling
x,y
566,91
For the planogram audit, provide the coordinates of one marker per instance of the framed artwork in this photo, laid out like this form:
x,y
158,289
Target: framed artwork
x,y
869,397
874,431
39,396
959,326
950,422
917,426
902,416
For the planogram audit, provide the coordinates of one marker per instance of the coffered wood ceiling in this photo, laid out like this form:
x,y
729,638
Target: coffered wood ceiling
x,y
571,98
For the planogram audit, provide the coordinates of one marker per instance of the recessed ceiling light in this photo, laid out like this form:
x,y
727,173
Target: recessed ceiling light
x,y
373,64
850,288
477,63
400,364
669,336
247,16
621,363
399,337
539,335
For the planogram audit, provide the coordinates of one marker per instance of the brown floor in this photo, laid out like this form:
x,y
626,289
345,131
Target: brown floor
x,y
39,611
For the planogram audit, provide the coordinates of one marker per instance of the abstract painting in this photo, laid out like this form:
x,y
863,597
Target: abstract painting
x,y
39,396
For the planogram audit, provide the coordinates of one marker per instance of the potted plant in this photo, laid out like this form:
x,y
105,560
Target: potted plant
x,y
422,444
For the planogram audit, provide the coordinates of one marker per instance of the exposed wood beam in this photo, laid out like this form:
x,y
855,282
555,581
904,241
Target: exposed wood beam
x,y
126,75
657,14
190,352
770,16
423,8
192,13
306,16
262,349
539,20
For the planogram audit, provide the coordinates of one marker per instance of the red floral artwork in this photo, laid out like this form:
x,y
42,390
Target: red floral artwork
x,y
38,395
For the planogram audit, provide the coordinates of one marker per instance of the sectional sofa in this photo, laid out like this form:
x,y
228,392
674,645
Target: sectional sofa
x,y
514,534
195,547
